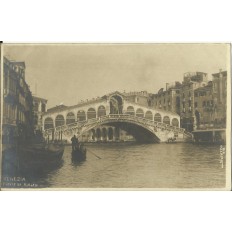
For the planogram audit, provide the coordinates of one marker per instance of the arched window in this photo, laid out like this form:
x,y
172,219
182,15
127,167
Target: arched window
x,y
59,120
81,115
43,107
70,118
148,115
48,123
91,113
101,111
166,120
157,117
130,110
175,122
139,113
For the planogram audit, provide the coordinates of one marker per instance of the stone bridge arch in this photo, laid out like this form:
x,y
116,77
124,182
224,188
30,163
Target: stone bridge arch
x,y
139,113
142,129
91,113
48,123
101,111
166,120
81,115
149,115
138,130
59,120
70,118
130,110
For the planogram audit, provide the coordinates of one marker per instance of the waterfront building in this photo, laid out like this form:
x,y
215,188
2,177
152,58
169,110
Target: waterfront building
x,y
203,102
142,98
191,82
204,106
168,99
220,97
18,118
40,105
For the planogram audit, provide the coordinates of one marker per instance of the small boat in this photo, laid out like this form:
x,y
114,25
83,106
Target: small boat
x,y
171,140
79,154
40,155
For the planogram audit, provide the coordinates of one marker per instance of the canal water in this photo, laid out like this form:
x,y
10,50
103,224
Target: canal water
x,y
124,165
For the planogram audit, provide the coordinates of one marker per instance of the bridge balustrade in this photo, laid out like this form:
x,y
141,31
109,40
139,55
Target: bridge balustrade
x,y
127,117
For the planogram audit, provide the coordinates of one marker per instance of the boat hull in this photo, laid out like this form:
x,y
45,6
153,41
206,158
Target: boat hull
x,y
32,157
78,155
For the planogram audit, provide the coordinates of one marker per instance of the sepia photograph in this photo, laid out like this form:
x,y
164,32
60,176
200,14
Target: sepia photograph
x,y
137,116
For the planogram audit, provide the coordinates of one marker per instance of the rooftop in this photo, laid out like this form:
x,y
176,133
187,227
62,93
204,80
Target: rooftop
x,y
39,98
223,73
57,108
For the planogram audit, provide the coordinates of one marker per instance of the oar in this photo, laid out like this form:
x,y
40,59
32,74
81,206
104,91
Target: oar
x,y
94,153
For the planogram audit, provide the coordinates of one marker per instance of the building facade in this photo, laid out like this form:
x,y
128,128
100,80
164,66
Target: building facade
x,y
18,117
142,98
191,82
40,107
168,99
204,106
220,97
212,99
199,102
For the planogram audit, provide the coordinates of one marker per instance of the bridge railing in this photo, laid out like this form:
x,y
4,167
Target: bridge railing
x,y
127,117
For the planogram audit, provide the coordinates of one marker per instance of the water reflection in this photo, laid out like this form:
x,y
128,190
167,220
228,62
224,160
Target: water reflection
x,y
134,166
76,162
16,174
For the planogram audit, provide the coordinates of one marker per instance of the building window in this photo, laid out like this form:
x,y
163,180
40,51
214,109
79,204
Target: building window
x,y
195,104
43,107
36,106
203,103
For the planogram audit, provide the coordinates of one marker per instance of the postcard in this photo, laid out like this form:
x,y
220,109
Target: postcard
x,y
111,116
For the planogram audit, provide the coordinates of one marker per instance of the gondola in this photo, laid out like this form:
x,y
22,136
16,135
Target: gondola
x,y
79,153
40,155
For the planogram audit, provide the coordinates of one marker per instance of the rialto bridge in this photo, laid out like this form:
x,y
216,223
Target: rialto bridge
x,y
102,118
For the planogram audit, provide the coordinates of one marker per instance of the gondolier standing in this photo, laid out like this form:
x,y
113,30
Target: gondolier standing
x,y
74,142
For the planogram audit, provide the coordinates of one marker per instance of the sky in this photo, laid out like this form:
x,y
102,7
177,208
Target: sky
x,y
68,73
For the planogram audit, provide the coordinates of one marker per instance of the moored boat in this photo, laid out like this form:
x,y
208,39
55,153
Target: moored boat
x,y
171,140
40,155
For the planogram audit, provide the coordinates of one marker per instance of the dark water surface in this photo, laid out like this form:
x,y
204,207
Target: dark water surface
x,y
137,166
